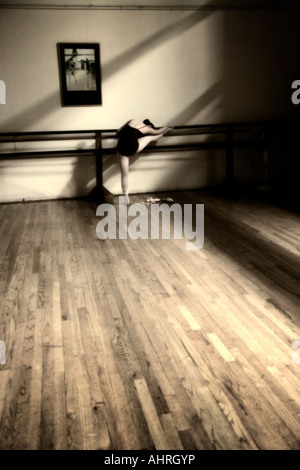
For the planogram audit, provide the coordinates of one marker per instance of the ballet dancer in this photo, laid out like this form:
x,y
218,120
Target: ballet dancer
x,y
133,137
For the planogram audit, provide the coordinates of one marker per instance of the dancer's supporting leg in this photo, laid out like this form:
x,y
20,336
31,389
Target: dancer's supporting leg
x,y
124,166
124,162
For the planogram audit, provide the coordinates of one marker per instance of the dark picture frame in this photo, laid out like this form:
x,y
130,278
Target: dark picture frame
x,y
80,77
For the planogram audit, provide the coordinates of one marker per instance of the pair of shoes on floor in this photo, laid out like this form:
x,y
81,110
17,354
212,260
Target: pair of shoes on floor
x,y
152,200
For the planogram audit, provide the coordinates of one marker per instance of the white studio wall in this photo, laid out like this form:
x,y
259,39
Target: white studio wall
x,y
174,67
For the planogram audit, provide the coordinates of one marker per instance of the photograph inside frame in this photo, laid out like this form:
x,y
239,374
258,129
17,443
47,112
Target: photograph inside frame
x,y
80,69
80,74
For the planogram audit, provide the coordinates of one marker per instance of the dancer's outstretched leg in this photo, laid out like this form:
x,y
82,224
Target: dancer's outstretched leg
x,y
144,141
124,166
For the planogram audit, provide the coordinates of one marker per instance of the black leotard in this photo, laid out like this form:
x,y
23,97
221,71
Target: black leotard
x,y
128,140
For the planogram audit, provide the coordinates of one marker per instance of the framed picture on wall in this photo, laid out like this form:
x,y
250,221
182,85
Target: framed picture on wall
x,y
80,78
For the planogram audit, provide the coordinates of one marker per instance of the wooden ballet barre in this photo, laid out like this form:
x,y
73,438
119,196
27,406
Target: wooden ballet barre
x,y
45,153
229,130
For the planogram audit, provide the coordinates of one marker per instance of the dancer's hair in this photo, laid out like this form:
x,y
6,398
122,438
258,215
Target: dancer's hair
x,y
148,123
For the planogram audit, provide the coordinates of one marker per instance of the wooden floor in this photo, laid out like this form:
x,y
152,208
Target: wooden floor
x,y
142,344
